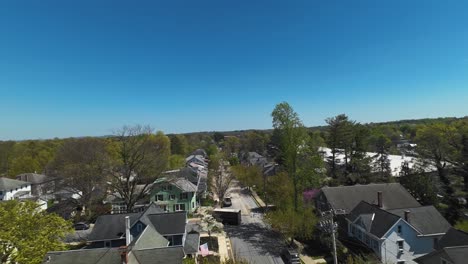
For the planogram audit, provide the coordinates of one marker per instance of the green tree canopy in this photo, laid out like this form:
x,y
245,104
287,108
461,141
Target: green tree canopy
x,y
27,234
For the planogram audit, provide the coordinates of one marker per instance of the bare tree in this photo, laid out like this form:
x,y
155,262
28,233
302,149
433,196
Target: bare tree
x,y
141,156
221,181
80,166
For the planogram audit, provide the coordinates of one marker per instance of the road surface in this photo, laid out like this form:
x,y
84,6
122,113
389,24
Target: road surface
x,y
252,240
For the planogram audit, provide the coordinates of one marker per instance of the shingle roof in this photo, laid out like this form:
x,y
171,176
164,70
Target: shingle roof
x,y
150,238
169,223
452,238
7,184
456,255
192,243
347,197
375,220
108,227
426,219
200,152
84,256
34,178
168,255
180,183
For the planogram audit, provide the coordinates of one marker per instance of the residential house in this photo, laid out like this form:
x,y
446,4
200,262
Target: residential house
x,y
452,248
151,237
343,199
197,159
11,189
200,152
40,183
174,194
397,235
254,159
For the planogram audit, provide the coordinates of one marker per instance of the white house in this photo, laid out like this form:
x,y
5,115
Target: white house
x,y
13,189
399,235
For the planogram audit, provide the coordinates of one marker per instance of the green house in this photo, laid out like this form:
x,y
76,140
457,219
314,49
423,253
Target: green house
x,y
174,194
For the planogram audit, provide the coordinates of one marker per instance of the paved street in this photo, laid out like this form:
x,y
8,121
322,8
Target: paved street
x,y
252,240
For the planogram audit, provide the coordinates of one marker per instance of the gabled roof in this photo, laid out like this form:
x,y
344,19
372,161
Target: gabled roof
x,y
84,256
196,158
34,178
180,183
347,197
188,173
426,219
375,220
200,152
150,238
169,223
168,255
192,243
452,238
109,227
456,255
7,184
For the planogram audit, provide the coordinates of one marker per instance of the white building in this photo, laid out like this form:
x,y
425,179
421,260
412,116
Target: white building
x,y
13,189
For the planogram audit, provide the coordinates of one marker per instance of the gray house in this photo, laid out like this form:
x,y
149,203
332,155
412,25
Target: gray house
x,y
345,198
452,248
397,235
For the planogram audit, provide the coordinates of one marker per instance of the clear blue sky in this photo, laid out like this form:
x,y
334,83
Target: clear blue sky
x,y
76,68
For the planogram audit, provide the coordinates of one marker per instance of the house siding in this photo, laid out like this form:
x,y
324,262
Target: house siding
x,y
413,246
387,247
8,194
190,203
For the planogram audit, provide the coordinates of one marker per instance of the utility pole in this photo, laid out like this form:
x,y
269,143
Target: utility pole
x,y
328,225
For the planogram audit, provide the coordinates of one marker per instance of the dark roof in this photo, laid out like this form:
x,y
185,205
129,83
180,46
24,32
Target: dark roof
x,y
426,219
34,178
200,152
452,238
169,223
375,220
151,209
7,184
168,255
192,243
109,227
347,197
84,256
456,255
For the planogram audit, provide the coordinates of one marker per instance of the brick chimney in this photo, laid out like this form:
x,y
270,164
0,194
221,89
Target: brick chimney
x,y
407,216
379,199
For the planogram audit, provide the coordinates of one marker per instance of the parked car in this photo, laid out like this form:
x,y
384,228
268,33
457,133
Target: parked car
x,y
81,226
227,202
290,256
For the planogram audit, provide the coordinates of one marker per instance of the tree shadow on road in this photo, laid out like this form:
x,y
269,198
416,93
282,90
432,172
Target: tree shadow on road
x,y
265,241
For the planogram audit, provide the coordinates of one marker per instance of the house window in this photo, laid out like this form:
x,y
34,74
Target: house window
x,y
399,229
170,187
107,244
160,197
179,207
366,237
435,242
400,244
184,196
172,197
164,187
139,227
400,262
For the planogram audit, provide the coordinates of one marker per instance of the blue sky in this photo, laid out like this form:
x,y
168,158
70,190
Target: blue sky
x,y
76,68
